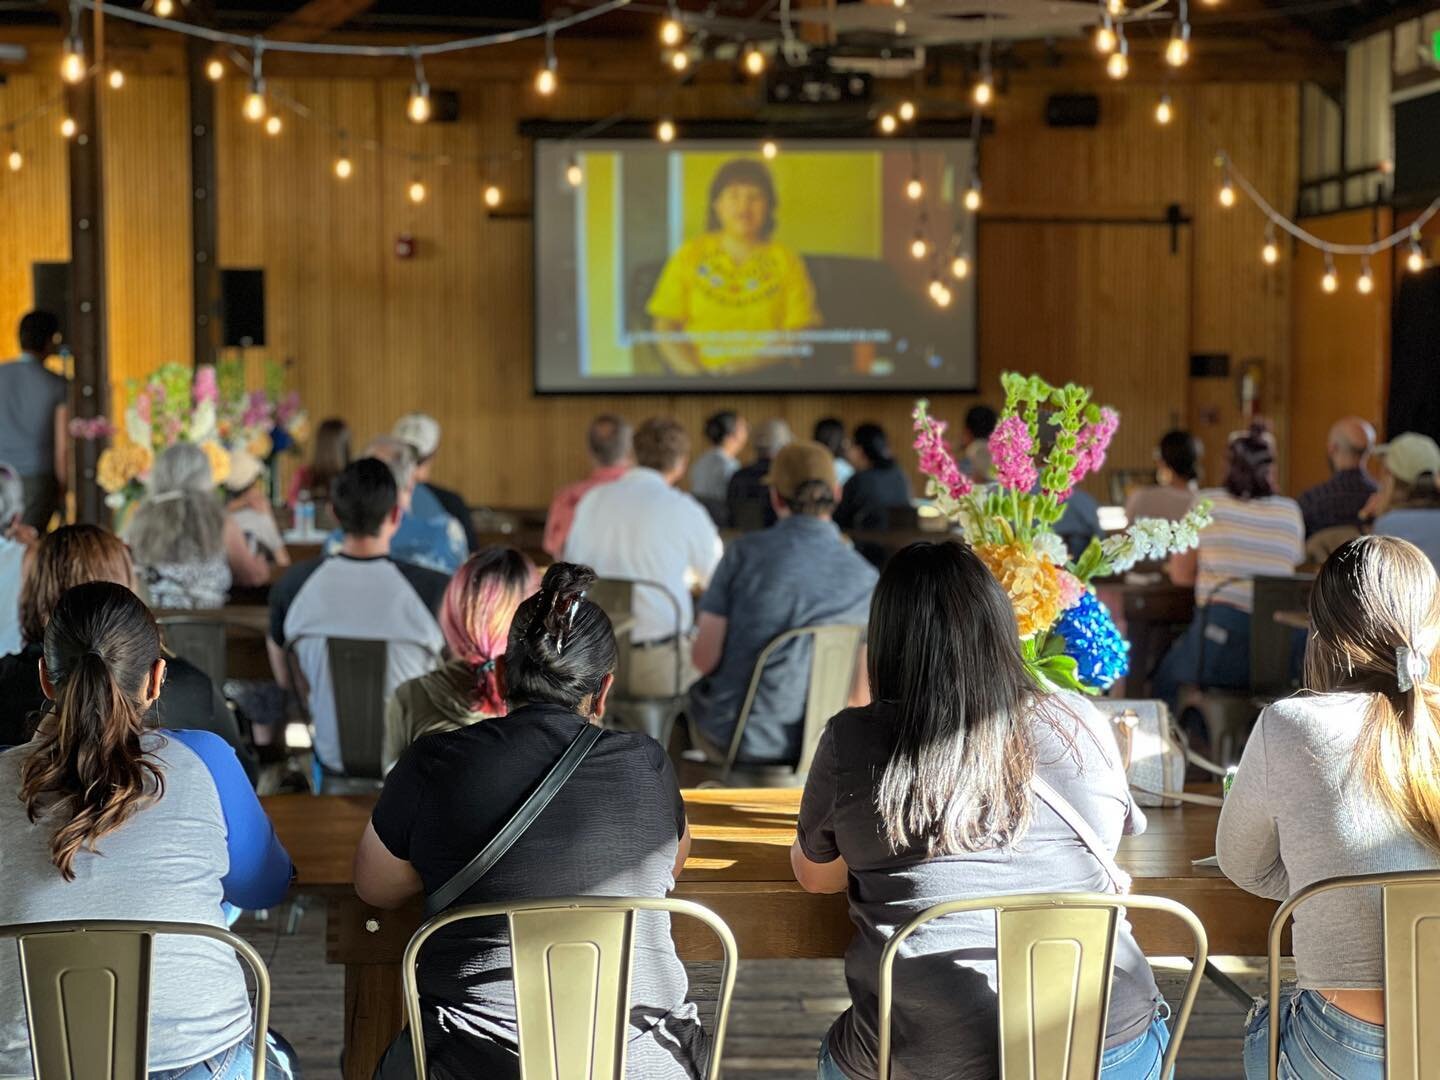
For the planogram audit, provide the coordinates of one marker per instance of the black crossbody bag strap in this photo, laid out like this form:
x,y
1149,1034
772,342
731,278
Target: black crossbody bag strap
x,y
513,829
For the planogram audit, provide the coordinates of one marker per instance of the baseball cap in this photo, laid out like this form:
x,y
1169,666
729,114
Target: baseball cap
x,y
420,431
799,464
244,470
1409,456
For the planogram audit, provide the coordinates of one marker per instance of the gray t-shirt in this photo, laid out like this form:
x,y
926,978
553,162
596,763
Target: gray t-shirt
x,y
945,1022
799,572
710,475
1299,811
1421,526
29,396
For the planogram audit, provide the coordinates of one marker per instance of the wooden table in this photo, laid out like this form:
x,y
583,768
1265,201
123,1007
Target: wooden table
x,y
739,866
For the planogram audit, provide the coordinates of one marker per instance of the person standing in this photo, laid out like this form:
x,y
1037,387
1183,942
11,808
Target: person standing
x,y
34,420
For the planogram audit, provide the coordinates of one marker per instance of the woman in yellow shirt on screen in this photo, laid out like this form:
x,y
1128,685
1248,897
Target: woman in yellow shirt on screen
x,y
729,297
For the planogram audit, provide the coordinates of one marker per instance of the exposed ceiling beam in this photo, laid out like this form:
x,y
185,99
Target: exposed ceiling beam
x,y
316,19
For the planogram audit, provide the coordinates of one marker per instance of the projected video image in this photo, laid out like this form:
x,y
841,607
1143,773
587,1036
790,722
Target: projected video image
x,y
708,266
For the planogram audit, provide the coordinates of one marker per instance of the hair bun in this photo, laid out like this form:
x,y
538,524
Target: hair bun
x,y
564,577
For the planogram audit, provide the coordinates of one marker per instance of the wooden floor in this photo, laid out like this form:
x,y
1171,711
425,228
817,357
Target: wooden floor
x,y
781,1008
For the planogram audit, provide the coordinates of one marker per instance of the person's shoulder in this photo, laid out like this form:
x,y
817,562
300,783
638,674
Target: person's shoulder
x,y
295,577
430,584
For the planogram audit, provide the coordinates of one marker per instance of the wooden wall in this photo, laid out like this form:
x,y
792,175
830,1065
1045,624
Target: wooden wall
x,y
450,331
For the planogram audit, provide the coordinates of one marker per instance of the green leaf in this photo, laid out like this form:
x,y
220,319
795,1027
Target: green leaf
x,y
1090,561
1059,673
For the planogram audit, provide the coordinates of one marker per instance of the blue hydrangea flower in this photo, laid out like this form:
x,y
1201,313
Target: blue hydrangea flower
x,y
1092,639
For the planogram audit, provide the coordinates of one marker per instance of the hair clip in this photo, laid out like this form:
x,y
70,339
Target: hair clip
x,y
1411,668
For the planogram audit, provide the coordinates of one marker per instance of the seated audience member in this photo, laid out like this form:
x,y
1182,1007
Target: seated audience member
x,y
1408,505
747,499
422,433
34,420
878,486
928,795
830,433
15,540
364,591
801,572
611,454
1339,500
330,454
1079,522
106,820
250,510
187,552
1177,473
475,618
615,828
710,476
427,537
75,555
974,458
1343,779
1255,532
641,527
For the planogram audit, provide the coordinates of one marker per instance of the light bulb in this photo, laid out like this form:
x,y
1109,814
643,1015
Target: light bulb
x,y
1118,66
72,67
273,124
899,3
1227,194
1331,281
888,123
1177,49
754,62
574,175
1105,38
914,190
960,267
416,191
254,108
984,91
164,8
492,195
972,196
418,107
936,287
768,149
68,128
901,28
671,32
1164,112
1366,281
1415,261
907,111
665,131
1270,252
919,248
545,81
16,160
1115,8
215,71
945,297
116,79
344,168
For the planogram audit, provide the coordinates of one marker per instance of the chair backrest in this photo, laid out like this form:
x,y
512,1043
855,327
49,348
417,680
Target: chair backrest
x,y
1411,937
616,597
87,994
902,519
1270,642
571,960
1053,953
833,653
200,640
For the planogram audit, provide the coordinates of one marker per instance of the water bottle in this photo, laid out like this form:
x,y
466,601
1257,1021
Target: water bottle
x,y
305,516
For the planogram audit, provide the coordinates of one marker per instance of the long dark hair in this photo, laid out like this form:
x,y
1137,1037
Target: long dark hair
x,y
101,645
1251,473
944,653
329,456
873,443
561,645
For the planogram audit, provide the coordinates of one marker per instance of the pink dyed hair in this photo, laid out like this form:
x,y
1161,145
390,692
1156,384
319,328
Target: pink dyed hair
x,y
475,617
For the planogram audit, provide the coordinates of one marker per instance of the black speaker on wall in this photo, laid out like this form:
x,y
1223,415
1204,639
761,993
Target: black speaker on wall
x,y
1072,110
242,308
51,285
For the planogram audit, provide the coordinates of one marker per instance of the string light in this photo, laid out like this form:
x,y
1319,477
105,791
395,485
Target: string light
x,y
1415,261
164,8
679,60
215,70
1227,190
72,65
492,196
1115,8
960,267
344,168
1330,281
888,123
1271,251
945,297
984,91
769,150
672,30
418,107
1365,283
1105,40
545,80
1164,112
901,27
254,107
665,131
754,61
15,160
1177,49
919,247
1118,65
416,192
907,111
914,190
116,79
68,127
273,124
574,175
972,195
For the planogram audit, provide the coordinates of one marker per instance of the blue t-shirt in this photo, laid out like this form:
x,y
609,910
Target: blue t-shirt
x,y
428,536
799,572
12,562
1420,526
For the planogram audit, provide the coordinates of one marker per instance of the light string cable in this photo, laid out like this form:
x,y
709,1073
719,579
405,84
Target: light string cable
x,y
1394,240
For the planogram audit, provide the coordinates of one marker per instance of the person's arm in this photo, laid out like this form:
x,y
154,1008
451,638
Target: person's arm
x,y
818,877
62,448
815,857
860,687
1184,568
683,852
1247,842
278,667
246,567
382,880
260,868
709,642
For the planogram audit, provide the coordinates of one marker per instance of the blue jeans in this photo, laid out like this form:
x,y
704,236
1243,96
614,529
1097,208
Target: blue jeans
x,y
1218,637
1138,1059
1317,1041
237,1062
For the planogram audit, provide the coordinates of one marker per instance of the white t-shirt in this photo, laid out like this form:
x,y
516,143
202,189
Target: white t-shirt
x,y
12,562
642,529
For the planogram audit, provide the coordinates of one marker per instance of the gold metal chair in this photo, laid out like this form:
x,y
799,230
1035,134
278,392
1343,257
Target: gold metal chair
x,y
1411,939
1054,953
571,958
87,994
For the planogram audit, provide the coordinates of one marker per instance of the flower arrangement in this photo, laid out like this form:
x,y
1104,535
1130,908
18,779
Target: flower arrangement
x,y
1069,639
209,406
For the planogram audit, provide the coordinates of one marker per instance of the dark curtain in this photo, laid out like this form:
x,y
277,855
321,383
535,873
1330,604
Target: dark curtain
x,y
1415,356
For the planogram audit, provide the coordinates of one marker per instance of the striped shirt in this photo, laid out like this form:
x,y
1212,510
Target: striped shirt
x,y
1249,538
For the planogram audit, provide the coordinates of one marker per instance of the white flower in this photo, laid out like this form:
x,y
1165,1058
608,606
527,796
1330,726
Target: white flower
x,y
202,422
137,429
1052,547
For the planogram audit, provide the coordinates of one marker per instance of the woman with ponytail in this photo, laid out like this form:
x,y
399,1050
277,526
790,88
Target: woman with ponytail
x,y
475,618
1343,779
615,828
109,820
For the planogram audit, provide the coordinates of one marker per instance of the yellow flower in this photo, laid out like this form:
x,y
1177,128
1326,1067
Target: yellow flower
x,y
1030,580
219,461
122,463
260,445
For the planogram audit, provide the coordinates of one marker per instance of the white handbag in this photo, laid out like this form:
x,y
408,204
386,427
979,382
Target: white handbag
x,y
1155,753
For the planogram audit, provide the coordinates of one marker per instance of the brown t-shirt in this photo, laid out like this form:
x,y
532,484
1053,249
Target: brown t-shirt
x,y
944,1023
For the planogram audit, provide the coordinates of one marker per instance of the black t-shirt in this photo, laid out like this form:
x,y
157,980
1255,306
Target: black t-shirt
x,y
869,496
748,496
612,830
188,701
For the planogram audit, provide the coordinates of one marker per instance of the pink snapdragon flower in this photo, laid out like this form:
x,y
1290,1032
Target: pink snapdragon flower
x,y
257,410
936,461
1012,452
206,388
142,405
1091,443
